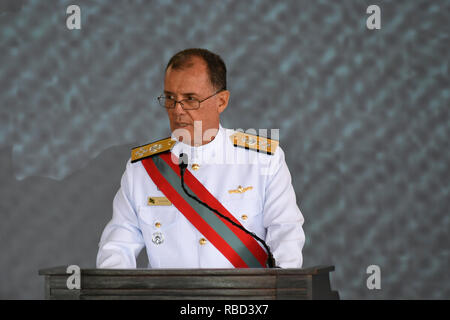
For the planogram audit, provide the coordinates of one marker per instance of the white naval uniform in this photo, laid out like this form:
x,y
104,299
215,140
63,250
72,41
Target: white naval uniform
x,y
268,209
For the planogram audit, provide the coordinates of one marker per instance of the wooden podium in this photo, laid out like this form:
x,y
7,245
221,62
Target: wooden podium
x,y
192,284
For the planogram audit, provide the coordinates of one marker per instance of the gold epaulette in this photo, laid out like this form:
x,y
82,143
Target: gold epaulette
x,y
250,141
151,149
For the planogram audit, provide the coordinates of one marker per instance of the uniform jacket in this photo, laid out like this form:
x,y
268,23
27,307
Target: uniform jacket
x,y
266,206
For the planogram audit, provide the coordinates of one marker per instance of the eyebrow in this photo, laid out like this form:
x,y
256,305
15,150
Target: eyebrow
x,y
183,94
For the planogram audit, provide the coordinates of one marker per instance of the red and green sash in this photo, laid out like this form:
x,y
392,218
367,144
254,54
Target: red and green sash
x,y
241,249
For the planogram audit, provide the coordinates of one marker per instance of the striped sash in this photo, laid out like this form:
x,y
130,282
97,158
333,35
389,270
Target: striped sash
x,y
241,249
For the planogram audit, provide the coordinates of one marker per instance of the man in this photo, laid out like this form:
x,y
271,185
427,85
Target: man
x,y
241,176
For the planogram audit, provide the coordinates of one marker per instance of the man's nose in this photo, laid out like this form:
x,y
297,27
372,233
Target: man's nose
x,y
178,109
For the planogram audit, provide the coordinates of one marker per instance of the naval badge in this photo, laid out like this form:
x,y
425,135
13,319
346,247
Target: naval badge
x,y
240,189
157,238
158,201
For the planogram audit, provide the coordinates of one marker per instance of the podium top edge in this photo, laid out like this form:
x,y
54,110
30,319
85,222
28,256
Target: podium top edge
x,y
62,270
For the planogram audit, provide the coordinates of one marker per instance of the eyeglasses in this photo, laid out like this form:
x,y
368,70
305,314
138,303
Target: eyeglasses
x,y
187,104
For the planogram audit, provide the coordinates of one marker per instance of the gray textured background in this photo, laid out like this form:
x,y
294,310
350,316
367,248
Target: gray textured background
x,y
363,118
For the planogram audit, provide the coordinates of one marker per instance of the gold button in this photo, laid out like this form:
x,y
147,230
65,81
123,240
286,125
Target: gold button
x,y
158,225
195,166
202,241
244,217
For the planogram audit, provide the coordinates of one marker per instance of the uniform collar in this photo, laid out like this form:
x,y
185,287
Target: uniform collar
x,y
201,154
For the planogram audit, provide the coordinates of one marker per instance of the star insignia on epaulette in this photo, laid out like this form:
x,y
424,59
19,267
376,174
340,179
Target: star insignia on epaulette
x,y
253,142
151,149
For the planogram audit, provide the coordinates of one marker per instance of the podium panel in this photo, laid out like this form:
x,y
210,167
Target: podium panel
x,y
192,284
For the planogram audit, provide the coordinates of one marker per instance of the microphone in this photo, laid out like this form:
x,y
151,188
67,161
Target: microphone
x,y
183,163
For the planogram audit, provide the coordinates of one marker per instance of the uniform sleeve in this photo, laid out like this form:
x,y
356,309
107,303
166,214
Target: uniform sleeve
x,y
282,217
121,240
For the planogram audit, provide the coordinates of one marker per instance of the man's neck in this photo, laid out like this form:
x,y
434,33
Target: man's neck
x,y
208,136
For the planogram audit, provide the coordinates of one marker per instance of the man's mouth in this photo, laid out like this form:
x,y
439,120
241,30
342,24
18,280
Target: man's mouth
x,y
182,124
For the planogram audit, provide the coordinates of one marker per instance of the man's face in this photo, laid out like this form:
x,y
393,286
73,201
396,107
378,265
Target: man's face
x,y
193,81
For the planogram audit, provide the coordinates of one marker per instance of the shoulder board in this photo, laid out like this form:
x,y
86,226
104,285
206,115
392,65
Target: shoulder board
x,y
151,149
257,143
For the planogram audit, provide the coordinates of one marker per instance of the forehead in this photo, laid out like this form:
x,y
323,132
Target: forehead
x,y
191,77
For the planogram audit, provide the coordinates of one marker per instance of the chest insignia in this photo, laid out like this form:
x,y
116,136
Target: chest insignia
x,y
158,201
240,189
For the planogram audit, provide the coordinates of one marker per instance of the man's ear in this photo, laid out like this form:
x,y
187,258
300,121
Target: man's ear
x,y
224,97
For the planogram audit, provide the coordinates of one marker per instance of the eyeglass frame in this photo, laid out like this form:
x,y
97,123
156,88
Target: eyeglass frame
x,y
181,101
